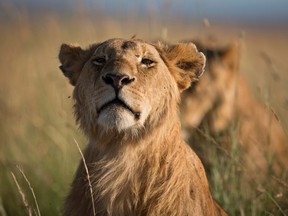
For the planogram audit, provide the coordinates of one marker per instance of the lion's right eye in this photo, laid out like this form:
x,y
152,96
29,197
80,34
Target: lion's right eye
x,y
147,62
100,61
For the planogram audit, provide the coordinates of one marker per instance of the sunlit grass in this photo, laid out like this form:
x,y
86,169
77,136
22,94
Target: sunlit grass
x,y
37,125
37,128
238,190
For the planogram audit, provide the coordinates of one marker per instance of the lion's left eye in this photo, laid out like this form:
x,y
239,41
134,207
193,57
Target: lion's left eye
x,y
147,62
100,61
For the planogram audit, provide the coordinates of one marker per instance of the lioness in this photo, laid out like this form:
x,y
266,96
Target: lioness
x,y
222,99
126,95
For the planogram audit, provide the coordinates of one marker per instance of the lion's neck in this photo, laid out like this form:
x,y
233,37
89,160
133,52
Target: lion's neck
x,y
113,141
133,169
111,145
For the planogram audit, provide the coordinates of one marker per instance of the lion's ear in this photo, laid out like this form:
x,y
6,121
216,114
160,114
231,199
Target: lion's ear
x,y
186,63
231,56
72,59
227,56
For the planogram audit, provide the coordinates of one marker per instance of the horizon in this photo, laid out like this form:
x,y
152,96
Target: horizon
x,y
257,11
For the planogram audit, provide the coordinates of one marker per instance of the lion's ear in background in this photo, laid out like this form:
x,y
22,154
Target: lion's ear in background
x,y
227,56
231,56
185,63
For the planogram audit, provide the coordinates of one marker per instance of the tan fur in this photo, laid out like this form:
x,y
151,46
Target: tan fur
x,y
222,98
137,161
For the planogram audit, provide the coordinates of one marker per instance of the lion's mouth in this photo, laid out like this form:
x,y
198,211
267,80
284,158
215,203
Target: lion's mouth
x,y
120,103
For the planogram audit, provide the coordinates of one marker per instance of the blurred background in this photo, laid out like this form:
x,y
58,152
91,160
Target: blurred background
x,y
37,128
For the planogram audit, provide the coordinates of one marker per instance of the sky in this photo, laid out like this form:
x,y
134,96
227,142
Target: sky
x,y
241,10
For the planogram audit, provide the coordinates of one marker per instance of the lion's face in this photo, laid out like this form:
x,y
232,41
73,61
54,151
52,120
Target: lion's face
x,y
123,85
119,79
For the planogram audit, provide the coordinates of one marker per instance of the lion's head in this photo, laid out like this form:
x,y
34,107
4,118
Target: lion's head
x,y
213,97
128,86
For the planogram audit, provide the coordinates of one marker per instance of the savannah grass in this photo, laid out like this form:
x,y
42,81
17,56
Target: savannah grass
x,y
88,178
240,191
37,125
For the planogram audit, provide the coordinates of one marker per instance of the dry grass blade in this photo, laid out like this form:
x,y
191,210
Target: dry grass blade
x,y
276,204
22,194
2,210
31,189
281,182
88,177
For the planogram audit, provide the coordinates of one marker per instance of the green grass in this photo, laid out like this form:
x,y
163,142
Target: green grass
x,y
239,191
37,128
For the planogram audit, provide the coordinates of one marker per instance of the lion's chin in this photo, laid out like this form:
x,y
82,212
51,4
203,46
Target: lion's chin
x,y
117,118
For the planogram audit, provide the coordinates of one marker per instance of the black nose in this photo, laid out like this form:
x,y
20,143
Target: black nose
x,y
117,80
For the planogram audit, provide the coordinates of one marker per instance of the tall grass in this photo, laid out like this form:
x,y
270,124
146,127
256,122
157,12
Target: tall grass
x,y
234,186
37,129
37,125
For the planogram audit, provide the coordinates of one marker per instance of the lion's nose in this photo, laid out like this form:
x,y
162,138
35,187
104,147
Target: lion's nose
x,y
117,80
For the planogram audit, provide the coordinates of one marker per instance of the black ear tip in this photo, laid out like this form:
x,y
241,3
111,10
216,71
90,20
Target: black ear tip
x,y
61,67
65,72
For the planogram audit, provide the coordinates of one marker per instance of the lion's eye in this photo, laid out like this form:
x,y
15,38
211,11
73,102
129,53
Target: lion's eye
x,y
147,62
100,61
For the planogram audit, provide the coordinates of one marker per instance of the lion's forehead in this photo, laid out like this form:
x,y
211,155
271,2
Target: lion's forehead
x,y
126,47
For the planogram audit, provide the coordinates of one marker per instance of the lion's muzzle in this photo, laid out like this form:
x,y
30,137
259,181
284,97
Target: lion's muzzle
x,y
117,102
117,80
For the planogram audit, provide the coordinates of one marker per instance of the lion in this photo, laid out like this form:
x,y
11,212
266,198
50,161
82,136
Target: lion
x,y
222,99
126,96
